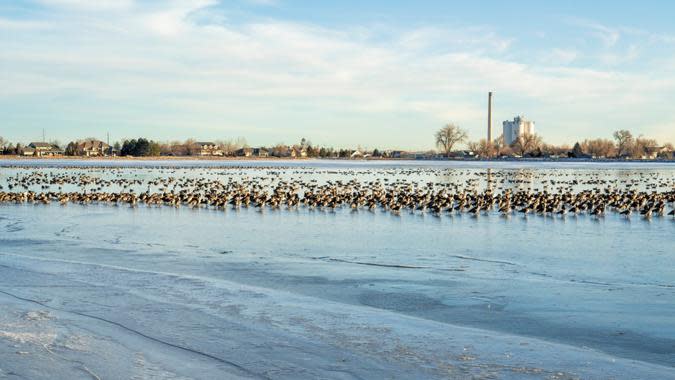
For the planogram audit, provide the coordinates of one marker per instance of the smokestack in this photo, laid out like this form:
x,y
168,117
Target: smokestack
x,y
489,135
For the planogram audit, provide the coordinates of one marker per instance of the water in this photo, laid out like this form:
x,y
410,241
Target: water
x,y
337,294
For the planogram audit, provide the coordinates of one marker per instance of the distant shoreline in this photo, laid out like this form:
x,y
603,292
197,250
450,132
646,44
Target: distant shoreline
x,y
154,158
271,158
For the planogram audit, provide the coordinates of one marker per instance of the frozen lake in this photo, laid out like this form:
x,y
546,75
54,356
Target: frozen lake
x,y
156,292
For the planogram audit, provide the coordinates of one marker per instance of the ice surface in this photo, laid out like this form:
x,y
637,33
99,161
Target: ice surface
x,y
156,293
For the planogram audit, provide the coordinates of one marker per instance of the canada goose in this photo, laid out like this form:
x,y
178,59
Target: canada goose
x,y
557,197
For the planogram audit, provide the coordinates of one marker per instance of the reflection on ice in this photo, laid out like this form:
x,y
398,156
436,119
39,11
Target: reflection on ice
x,y
118,292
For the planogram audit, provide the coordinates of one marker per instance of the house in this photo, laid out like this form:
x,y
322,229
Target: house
x,y
666,153
430,155
356,155
652,152
28,152
206,148
280,151
243,152
92,148
260,152
298,152
404,155
463,154
43,149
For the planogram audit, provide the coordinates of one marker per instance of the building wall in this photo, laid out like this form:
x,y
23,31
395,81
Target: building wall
x,y
507,132
516,127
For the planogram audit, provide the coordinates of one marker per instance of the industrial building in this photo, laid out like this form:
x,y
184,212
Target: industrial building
x,y
518,127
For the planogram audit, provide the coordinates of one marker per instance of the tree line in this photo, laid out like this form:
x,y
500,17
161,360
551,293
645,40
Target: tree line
x,y
623,145
143,147
231,147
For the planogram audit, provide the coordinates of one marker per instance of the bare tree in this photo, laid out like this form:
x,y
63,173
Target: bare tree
x,y
624,141
640,145
176,148
280,150
240,142
486,148
165,149
599,147
518,146
555,149
5,146
449,136
506,151
527,143
227,146
190,147
498,145
481,148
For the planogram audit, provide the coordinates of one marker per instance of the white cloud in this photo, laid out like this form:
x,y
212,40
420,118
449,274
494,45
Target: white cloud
x,y
172,20
160,58
19,25
263,2
559,56
607,35
92,5
476,39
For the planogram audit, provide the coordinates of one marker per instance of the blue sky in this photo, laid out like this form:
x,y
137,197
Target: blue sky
x,y
344,73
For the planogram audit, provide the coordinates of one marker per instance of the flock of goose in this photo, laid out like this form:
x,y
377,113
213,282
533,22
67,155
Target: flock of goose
x,y
394,190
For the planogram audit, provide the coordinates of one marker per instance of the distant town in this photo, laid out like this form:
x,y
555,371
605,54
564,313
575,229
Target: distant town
x,y
518,140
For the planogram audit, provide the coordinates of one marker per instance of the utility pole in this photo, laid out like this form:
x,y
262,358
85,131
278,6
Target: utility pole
x,y
44,139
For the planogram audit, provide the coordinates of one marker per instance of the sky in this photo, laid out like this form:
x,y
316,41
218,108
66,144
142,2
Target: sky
x,y
375,74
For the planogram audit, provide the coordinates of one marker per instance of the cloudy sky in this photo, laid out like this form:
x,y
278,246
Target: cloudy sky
x,y
376,73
